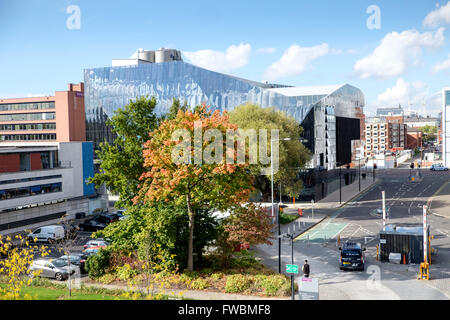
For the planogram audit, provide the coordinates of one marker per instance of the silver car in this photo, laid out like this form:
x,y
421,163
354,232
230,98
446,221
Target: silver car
x,y
55,269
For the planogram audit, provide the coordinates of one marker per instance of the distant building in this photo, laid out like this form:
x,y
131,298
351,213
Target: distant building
x,y
418,122
396,111
330,114
384,134
44,160
59,118
446,126
414,138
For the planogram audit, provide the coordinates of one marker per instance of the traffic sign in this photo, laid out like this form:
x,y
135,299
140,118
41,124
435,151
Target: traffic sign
x,y
292,268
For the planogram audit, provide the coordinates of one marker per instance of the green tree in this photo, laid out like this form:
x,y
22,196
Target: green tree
x,y
293,155
430,132
121,164
196,186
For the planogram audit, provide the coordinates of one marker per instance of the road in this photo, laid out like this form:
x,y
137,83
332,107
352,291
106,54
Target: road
x,y
360,221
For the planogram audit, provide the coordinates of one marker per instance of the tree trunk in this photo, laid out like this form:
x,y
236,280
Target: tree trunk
x,y
190,264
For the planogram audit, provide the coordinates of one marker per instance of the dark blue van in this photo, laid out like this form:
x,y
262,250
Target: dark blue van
x,y
351,257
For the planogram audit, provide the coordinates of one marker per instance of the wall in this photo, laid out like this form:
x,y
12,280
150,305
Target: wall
x,y
9,163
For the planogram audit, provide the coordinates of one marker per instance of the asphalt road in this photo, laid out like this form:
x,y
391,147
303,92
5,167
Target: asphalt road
x,y
360,221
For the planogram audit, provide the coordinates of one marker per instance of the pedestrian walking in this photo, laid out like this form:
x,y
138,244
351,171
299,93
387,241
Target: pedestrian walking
x,y
305,269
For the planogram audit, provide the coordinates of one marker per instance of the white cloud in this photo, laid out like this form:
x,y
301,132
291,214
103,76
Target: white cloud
x,y
266,50
443,65
440,16
233,58
396,52
294,61
412,96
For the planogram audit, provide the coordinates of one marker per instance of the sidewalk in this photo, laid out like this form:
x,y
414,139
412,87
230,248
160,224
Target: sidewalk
x,y
332,200
439,203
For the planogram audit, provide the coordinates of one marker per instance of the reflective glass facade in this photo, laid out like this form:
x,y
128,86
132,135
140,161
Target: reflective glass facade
x,y
110,88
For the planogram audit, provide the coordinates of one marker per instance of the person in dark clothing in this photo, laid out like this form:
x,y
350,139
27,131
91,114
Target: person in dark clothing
x,y
306,269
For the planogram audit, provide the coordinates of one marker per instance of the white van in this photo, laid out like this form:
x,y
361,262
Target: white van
x,y
50,234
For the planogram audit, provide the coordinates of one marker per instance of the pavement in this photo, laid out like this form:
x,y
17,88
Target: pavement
x,y
439,203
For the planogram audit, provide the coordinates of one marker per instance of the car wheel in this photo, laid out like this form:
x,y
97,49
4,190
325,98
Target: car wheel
x,y
58,276
51,241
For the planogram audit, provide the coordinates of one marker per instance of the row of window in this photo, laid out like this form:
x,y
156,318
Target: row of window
x,y
375,140
28,126
27,106
375,134
30,191
28,137
27,116
56,176
375,147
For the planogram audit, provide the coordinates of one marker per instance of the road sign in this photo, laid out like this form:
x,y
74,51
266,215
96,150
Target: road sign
x,y
291,268
308,288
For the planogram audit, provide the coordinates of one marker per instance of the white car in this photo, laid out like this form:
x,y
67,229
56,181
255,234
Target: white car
x,y
438,167
49,234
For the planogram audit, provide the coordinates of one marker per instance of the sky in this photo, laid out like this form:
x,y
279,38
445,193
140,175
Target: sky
x,y
396,52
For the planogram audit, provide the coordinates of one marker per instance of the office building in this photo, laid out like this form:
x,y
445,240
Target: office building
x,y
396,111
44,160
330,115
384,134
446,126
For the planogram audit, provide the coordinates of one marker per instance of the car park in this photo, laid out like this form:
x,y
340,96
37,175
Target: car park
x,y
55,269
438,167
51,234
94,223
351,256
76,259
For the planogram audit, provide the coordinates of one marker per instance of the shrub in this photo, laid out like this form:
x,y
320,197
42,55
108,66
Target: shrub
x,y
217,276
97,264
199,284
238,283
244,259
273,285
126,272
107,278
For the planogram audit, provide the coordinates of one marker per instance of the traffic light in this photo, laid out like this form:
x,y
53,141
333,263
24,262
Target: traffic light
x,y
374,165
411,165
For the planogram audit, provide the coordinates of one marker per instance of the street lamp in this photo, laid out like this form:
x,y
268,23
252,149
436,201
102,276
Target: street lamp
x,y
273,212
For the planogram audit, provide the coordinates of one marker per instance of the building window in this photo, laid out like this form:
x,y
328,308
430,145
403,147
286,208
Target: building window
x,y
27,106
28,137
27,116
9,194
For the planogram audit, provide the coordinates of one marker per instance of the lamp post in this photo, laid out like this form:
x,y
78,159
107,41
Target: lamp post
x,y
273,212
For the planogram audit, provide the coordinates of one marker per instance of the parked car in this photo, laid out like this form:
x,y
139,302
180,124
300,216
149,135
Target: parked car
x,y
351,257
55,269
51,234
86,253
113,216
94,224
96,243
76,259
438,167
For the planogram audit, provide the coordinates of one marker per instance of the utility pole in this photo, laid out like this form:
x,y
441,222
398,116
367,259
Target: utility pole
x,y
340,186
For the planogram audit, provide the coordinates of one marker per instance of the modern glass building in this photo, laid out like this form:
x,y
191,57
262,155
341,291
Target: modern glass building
x,y
329,115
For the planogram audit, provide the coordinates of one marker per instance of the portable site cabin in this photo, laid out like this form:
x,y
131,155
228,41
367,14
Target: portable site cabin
x,y
406,239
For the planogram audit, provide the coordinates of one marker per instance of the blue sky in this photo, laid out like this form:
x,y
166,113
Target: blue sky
x,y
406,60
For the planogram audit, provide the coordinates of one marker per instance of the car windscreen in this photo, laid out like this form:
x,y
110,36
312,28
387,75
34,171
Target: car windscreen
x,y
351,254
59,263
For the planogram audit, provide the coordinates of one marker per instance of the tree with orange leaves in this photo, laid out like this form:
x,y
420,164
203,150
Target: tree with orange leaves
x,y
191,163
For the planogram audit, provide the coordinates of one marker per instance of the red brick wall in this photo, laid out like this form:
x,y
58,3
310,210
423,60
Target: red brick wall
x,y
9,163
